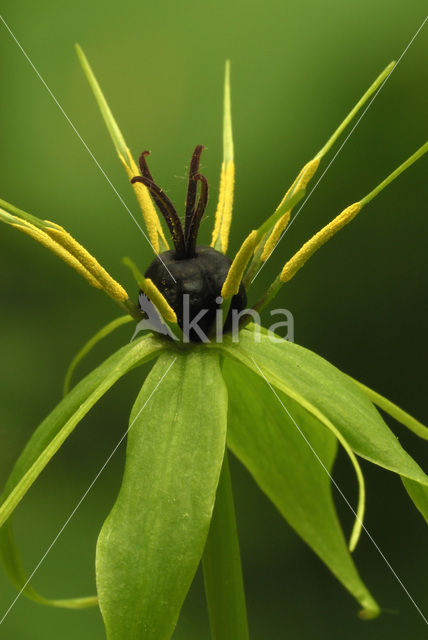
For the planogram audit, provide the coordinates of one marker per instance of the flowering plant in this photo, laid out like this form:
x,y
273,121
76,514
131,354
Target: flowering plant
x,y
219,381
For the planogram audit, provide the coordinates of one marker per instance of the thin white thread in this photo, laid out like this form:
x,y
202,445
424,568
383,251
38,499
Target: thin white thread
x,y
82,140
340,149
343,496
82,498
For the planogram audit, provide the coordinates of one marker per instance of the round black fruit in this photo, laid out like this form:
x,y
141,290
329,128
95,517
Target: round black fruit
x,y
192,287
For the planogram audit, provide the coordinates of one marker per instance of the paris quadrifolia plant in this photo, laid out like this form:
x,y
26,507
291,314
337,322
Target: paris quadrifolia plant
x,y
219,382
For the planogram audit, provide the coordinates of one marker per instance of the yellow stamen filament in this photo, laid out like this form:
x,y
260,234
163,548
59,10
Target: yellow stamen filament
x,y
309,169
155,296
317,241
151,219
110,286
274,237
237,268
58,250
293,195
223,216
149,212
278,221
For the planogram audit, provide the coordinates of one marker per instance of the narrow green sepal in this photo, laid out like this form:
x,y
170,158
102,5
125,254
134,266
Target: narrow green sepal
x,y
88,346
45,442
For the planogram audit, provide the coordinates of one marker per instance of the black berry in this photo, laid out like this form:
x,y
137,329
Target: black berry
x,y
201,278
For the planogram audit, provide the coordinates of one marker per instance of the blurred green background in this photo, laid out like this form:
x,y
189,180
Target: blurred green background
x,y
297,68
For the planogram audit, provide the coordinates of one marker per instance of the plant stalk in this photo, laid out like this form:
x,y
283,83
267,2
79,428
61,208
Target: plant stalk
x,y
221,563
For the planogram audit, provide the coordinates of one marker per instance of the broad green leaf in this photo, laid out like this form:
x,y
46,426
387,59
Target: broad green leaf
x,y
46,441
291,458
151,543
319,387
102,333
319,415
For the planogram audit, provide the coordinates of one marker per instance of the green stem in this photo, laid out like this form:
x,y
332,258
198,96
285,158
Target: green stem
x,y
105,331
418,154
221,562
361,102
131,308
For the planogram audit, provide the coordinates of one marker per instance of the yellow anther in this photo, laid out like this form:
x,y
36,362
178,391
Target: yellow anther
x,y
149,213
151,219
274,237
292,196
223,216
300,183
57,249
302,180
307,173
276,224
106,282
156,297
237,268
320,238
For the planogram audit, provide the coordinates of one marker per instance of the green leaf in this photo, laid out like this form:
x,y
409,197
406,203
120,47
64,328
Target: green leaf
x,y
394,411
359,513
46,441
102,333
291,455
417,492
151,543
12,564
419,496
321,388
221,563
